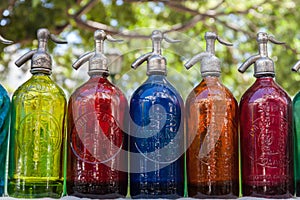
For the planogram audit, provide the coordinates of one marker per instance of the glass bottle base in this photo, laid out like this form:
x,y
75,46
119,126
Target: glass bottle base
x,y
297,188
219,190
156,190
34,189
97,191
274,192
1,187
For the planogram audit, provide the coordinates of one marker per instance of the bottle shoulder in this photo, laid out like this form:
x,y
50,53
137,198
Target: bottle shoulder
x,y
40,86
4,103
297,98
204,91
270,90
156,89
3,92
104,90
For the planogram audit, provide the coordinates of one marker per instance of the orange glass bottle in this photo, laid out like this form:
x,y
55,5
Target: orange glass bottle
x,y
212,131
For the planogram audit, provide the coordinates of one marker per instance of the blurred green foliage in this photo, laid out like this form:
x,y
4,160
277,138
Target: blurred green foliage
x,y
237,21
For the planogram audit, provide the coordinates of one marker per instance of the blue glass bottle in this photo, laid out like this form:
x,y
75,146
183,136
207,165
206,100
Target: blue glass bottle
x,y
156,132
4,125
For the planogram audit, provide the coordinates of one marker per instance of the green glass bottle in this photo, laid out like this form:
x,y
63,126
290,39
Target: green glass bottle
x,y
37,129
296,113
296,118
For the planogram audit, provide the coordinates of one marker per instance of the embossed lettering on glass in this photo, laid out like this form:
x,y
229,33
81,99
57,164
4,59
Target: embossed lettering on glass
x,y
156,131
212,130
37,129
4,126
266,130
97,146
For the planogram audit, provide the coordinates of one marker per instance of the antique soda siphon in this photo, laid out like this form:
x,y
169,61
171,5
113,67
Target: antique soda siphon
x,y
266,130
4,126
296,114
97,146
37,128
212,130
156,131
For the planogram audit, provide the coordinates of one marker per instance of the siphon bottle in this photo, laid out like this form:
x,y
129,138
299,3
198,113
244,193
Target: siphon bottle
x,y
4,126
37,129
296,119
212,130
97,142
156,131
266,130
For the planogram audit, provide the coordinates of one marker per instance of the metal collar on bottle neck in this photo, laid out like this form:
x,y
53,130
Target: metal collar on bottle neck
x,y
210,64
263,65
97,60
156,63
41,61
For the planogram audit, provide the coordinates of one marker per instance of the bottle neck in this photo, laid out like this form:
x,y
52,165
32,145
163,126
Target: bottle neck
x,y
99,78
265,80
211,78
41,74
211,81
157,77
98,75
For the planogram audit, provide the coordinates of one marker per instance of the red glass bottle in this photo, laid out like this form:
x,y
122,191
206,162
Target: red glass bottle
x,y
266,131
97,164
212,131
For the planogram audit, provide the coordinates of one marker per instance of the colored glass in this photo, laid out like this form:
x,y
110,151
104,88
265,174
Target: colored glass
x,y
266,140
212,141
36,140
97,120
4,126
156,142
296,114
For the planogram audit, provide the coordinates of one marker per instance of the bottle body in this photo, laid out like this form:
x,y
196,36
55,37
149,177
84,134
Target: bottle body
x,y
36,140
4,126
97,162
156,140
266,141
296,114
212,141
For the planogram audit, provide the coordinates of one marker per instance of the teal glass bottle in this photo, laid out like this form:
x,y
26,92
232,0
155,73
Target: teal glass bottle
x,y
4,126
37,129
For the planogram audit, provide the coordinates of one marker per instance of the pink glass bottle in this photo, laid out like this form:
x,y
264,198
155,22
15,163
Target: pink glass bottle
x,y
266,131
97,160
